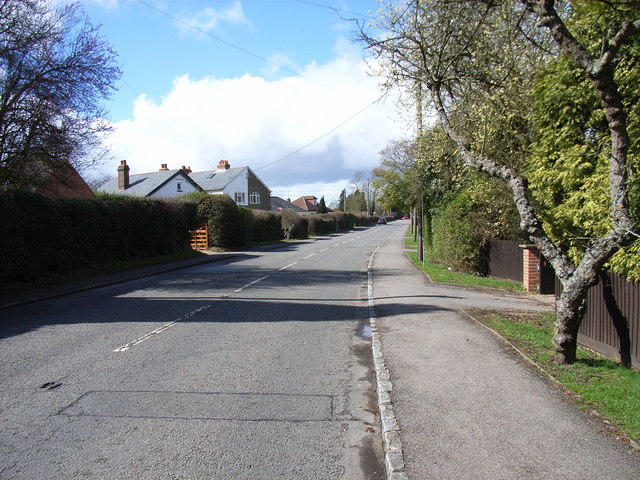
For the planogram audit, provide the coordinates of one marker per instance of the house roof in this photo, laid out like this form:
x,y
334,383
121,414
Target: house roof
x,y
66,183
307,203
145,184
216,180
278,204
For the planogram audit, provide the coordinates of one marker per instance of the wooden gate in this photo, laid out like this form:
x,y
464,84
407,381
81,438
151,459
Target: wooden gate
x,y
200,238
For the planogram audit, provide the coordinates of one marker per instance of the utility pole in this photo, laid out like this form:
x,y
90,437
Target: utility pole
x,y
421,232
420,124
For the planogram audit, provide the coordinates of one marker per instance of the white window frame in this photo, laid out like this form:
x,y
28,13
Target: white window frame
x,y
254,197
239,197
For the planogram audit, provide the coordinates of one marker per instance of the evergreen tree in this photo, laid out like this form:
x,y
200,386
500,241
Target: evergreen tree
x,y
322,207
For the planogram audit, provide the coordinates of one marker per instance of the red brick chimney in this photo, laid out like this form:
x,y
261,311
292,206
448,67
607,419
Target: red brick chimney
x,y
123,175
223,165
163,167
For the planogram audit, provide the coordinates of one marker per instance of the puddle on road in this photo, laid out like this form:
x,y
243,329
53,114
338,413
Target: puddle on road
x,y
365,331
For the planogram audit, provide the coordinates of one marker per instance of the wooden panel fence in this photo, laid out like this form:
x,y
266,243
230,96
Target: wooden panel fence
x,y
611,324
200,238
505,260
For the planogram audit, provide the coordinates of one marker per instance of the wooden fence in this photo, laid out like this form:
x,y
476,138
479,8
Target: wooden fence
x,y
505,260
200,238
611,324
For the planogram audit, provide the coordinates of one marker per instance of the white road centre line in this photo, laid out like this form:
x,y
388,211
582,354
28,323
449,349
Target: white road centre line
x,y
127,346
251,283
287,266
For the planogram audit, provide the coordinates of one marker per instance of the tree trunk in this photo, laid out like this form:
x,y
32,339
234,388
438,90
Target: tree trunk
x,y
570,309
565,335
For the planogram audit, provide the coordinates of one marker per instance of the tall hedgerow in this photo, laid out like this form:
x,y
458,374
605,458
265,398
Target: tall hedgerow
x,y
226,224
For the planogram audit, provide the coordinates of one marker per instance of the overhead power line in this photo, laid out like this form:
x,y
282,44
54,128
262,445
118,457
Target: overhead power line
x,y
337,10
266,60
232,45
324,134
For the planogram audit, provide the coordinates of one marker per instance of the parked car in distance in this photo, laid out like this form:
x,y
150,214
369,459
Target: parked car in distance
x,y
382,221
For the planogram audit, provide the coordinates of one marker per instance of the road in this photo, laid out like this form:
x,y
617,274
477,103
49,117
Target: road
x,y
249,368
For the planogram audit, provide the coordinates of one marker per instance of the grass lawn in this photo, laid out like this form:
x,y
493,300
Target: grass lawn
x,y
441,274
597,382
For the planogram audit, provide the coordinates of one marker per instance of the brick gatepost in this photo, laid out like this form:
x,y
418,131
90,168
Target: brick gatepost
x,y
530,268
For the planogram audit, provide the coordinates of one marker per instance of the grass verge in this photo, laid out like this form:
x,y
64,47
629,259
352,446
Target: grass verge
x,y
441,274
597,383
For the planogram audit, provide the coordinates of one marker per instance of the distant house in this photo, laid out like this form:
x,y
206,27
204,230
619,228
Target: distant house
x,y
240,183
279,204
164,183
67,182
308,204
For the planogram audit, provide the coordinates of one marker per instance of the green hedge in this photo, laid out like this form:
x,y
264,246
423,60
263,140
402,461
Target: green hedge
x,y
227,226
42,235
322,224
462,229
266,226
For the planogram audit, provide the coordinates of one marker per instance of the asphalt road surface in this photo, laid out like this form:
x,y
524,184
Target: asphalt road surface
x,y
254,367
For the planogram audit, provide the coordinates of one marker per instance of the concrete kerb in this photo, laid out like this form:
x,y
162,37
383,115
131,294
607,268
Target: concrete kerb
x,y
393,454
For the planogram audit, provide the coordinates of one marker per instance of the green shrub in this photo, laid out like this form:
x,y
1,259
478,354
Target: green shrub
x,y
41,235
363,220
226,223
266,226
344,221
294,225
462,229
322,224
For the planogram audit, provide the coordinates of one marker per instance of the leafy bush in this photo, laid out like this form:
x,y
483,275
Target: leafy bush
x,y
475,214
294,225
363,220
344,221
41,235
266,226
322,224
226,224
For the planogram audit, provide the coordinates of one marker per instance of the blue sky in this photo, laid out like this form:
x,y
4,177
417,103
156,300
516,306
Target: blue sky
x,y
250,81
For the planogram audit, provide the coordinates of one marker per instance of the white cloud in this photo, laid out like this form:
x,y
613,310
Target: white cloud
x,y
277,61
252,121
209,19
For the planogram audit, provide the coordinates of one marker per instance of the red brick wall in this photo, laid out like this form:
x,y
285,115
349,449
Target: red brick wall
x,y
530,269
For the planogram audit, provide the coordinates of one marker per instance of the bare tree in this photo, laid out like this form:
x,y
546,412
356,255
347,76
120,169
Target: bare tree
x,y
458,50
55,71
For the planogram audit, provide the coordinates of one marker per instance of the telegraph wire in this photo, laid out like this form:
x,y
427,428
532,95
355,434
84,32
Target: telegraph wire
x,y
298,74
229,44
324,134
337,10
